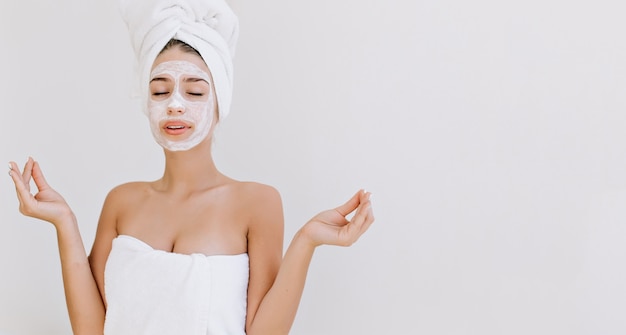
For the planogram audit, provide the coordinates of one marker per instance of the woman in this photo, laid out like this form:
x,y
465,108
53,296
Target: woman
x,y
194,252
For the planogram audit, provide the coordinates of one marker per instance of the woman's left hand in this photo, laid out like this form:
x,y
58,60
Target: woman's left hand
x,y
331,227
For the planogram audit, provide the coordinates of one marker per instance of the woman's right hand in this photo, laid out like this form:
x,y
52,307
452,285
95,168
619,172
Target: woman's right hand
x,y
46,204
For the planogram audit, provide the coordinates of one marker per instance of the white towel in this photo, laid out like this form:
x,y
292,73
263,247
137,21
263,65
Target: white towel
x,y
153,292
209,26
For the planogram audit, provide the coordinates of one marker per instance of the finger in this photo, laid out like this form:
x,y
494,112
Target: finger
x,y
369,219
364,196
16,176
351,204
362,220
28,167
23,194
361,214
38,177
359,206
27,174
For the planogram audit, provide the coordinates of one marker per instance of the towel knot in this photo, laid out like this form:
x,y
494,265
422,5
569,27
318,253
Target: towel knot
x,y
212,19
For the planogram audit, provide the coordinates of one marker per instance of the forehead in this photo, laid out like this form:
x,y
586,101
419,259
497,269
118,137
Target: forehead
x,y
176,68
176,54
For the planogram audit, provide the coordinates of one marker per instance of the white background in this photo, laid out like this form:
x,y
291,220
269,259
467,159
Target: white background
x,y
491,133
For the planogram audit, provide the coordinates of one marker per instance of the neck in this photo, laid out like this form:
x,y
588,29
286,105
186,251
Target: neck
x,y
190,170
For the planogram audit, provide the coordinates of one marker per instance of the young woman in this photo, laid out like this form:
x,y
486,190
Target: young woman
x,y
194,252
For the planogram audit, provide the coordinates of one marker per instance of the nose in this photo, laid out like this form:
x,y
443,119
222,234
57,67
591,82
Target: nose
x,y
175,106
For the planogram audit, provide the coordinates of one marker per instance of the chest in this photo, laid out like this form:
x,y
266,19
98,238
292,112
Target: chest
x,y
195,224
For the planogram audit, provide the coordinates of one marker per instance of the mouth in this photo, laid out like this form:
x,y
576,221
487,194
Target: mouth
x,y
175,127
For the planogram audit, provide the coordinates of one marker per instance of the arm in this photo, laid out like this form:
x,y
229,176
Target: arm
x,y
84,304
277,310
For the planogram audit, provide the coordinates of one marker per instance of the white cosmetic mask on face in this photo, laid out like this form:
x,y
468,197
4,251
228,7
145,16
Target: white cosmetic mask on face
x,y
176,110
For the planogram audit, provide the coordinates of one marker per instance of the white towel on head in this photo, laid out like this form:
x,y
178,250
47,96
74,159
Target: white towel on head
x,y
209,26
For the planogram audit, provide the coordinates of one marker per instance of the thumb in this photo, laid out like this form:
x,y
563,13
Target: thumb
x,y
38,177
350,205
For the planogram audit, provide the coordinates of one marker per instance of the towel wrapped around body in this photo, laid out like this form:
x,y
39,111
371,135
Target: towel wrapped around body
x,y
153,292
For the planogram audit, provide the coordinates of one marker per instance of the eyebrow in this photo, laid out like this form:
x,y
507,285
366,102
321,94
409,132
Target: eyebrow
x,y
194,80
187,80
160,79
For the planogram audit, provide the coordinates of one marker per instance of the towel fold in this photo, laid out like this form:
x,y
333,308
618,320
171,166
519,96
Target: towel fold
x,y
209,26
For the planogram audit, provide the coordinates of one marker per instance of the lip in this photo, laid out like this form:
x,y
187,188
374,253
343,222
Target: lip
x,y
175,127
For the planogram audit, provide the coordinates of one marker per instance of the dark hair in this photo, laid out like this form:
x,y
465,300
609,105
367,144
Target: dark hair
x,y
174,43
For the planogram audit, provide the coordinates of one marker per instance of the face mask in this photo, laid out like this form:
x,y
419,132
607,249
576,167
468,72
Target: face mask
x,y
179,121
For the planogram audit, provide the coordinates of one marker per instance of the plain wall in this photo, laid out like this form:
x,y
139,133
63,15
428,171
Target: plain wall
x,y
491,133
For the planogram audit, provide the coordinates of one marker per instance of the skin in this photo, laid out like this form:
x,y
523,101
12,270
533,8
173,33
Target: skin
x,y
192,208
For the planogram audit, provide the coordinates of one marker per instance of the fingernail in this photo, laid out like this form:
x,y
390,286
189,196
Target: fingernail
x,y
10,167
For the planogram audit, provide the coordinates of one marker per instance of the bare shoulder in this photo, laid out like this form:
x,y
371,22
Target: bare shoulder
x,y
261,203
117,200
256,191
257,196
131,188
128,192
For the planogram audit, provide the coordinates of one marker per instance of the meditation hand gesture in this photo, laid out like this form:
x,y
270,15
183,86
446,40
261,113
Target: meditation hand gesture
x,y
47,204
331,226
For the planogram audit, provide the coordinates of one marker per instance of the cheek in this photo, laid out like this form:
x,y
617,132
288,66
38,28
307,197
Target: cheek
x,y
197,110
157,110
